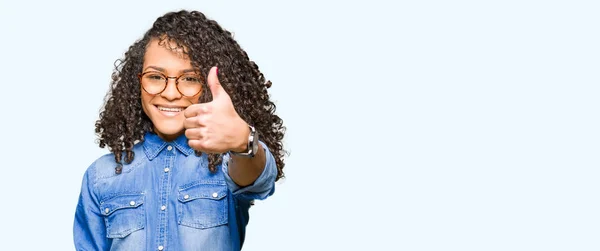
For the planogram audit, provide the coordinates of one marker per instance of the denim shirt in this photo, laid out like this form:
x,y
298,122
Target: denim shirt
x,y
165,199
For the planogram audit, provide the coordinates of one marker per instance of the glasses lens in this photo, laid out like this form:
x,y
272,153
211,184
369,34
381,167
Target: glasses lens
x,y
153,82
189,84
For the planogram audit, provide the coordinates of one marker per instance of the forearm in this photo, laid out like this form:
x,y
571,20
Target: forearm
x,y
245,170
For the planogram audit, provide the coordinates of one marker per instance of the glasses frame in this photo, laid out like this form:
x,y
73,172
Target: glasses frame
x,y
140,75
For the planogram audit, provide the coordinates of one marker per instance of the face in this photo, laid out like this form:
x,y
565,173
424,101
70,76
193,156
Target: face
x,y
165,109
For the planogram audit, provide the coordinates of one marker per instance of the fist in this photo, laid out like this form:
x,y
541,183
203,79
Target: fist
x,y
215,127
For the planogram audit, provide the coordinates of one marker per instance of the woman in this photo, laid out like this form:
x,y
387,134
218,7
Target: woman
x,y
193,140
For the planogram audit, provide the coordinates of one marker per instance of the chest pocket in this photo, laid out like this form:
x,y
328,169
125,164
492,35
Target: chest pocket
x,y
123,214
202,205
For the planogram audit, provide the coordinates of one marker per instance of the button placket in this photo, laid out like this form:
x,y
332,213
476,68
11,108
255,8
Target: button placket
x,y
164,197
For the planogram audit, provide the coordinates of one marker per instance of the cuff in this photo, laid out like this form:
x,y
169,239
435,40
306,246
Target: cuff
x,y
263,186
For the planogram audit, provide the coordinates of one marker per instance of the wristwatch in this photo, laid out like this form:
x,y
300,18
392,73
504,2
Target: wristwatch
x,y
252,146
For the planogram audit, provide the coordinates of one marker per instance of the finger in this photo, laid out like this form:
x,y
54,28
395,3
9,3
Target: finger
x,y
193,122
194,134
191,111
216,89
195,110
197,145
202,145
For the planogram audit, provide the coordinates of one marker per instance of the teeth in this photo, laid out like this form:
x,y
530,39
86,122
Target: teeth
x,y
168,109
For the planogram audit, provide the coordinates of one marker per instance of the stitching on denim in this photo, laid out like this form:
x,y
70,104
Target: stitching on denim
x,y
202,182
221,219
187,151
126,169
121,194
126,232
152,152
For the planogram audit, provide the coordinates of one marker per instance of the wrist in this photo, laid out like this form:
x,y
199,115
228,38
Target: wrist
x,y
251,143
241,144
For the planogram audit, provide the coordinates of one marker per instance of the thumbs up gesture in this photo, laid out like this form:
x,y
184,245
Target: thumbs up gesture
x,y
215,127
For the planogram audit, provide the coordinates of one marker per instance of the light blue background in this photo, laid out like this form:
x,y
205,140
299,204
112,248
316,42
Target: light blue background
x,y
415,125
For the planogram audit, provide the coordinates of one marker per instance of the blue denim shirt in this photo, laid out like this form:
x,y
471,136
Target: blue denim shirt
x,y
166,199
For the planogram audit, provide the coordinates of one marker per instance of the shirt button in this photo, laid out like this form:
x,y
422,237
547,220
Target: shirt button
x,y
161,248
167,169
169,148
215,195
132,203
106,210
163,208
186,196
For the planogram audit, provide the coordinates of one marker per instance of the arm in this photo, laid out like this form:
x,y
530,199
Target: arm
x,y
245,170
89,232
216,127
261,186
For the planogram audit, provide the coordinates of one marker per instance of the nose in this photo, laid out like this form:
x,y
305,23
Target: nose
x,y
171,92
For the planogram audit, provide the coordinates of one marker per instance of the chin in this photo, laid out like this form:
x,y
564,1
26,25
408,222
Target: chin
x,y
168,131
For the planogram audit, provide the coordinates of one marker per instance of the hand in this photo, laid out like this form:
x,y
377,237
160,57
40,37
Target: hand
x,y
215,127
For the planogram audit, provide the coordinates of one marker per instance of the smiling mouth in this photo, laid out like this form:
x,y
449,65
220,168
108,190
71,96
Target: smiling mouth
x,y
169,109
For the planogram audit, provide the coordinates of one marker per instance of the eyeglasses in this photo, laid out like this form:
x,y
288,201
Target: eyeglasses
x,y
153,82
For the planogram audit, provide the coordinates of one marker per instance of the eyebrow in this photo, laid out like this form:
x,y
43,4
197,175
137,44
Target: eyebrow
x,y
163,70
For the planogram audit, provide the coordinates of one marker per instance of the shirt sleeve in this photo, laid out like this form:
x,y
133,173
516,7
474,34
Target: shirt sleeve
x,y
263,186
89,231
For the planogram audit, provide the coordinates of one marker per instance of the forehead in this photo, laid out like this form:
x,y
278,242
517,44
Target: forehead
x,y
166,54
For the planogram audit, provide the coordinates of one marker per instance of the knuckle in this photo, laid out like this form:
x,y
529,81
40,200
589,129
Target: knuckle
x,y
198,121
187,123
193,144
191,134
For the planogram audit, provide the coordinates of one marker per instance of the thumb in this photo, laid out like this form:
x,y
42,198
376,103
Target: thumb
x,y
213,83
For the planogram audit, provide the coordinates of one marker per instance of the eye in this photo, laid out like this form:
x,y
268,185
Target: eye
x,y
154,76
190,79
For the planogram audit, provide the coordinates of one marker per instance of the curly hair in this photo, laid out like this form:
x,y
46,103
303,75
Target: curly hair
x,y
123,123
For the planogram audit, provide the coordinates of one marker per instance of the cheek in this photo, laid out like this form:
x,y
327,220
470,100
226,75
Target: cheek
x,y
146,99
195,99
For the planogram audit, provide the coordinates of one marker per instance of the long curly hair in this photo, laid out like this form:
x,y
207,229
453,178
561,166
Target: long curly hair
x,y
123,123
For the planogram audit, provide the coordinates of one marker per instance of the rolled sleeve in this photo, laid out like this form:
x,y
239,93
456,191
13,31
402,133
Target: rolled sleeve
x,y
263,186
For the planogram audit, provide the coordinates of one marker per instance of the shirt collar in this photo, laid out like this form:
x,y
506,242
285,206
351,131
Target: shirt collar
x,y
153,145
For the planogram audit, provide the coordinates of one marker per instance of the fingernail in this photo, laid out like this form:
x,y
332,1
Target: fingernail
x,y
217,70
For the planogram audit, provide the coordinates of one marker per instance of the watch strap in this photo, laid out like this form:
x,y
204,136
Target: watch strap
x,y
252,146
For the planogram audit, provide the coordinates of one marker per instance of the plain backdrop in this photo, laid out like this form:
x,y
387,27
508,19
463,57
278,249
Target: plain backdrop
x,y
411,125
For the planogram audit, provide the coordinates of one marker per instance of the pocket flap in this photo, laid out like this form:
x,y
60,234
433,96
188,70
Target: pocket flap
x,y
113,204
203,191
